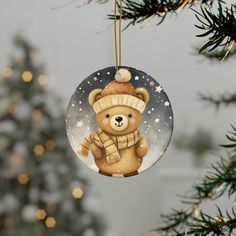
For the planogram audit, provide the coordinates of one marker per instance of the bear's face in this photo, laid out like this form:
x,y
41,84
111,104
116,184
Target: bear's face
x,y
119,120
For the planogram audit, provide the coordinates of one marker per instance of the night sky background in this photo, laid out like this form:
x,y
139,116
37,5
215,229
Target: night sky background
x,y
157,124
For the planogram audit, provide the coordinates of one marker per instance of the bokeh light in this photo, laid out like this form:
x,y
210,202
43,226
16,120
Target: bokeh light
x,y
23,179
49,144
39,149
50,222
42,80
27,76
77,193
41,214
37,114
7,72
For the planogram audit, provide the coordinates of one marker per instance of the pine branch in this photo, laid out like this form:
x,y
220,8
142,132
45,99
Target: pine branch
x,y
222,177
137,12
215,55
220,28
181,223
218,225
224,99
216,182
175,221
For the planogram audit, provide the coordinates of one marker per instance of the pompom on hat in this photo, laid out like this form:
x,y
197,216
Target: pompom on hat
x,y
119,92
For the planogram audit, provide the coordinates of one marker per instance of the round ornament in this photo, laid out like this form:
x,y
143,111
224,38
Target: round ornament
x,y
119,123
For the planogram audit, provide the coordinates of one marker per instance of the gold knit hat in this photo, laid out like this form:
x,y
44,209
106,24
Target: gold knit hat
x,y
119,92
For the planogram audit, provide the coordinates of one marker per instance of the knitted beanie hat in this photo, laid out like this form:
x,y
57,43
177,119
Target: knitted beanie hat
x,y
119,92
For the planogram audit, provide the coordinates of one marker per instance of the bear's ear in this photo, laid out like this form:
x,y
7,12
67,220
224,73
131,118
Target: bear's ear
x,y
94,96
142,94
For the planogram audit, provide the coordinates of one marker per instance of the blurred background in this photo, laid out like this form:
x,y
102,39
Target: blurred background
x,y
72,42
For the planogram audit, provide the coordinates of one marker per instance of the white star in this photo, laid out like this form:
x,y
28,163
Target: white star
x,y
80,123
151,83
108,73
157,120
136,77
159,89
166,104
73,105
95,78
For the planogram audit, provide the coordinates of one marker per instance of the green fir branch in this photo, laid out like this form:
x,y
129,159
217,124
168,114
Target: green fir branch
x,y
220,29
139,11
216,182
192,221
215,55
224,99
208,225
175,221
181,223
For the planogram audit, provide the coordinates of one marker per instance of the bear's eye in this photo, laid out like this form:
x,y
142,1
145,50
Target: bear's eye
x,y
107,115
130,115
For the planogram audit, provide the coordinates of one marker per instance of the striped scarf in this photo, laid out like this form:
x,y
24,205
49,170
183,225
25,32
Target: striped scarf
x,y
111,144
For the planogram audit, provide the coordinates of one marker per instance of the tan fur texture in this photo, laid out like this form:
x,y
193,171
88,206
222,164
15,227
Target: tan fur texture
x,y
131,157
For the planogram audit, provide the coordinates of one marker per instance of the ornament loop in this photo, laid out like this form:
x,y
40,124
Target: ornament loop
x,y
118,57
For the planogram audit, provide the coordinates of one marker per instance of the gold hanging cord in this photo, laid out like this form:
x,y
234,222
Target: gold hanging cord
x,y
117,52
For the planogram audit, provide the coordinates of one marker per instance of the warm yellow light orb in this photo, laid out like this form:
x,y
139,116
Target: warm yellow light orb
x,y
39,149
8,222
27,76
37,114
49,144
77,193
41,214
11,108
50,222
42,80
7,72
23,179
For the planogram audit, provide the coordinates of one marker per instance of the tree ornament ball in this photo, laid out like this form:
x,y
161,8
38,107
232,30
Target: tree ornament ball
x,y
119,123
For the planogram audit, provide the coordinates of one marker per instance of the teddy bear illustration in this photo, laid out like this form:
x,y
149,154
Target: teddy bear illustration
x,y
117,146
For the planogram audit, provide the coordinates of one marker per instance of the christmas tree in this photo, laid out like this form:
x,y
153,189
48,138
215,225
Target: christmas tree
x,y
217,21
42,192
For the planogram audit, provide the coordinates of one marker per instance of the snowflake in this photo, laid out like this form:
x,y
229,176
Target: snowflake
x,y
166,104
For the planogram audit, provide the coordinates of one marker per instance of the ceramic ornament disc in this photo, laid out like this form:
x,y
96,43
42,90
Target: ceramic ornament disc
x,y
119,124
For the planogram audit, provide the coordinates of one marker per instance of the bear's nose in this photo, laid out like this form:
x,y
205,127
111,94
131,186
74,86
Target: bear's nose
x,y
118,118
